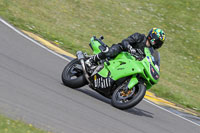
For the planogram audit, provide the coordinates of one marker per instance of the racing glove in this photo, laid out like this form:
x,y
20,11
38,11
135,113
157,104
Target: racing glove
x,y
134,52
131,50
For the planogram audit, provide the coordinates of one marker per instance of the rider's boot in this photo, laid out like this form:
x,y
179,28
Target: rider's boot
x,y
92,61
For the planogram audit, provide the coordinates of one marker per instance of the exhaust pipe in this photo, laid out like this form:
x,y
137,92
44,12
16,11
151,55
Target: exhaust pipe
x,y
80,57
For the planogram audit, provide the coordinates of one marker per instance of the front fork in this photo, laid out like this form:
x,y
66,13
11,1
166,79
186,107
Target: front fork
x,y
129,90
133,81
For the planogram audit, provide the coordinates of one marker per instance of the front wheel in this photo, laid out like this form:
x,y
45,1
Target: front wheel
x,y
127,99
73,76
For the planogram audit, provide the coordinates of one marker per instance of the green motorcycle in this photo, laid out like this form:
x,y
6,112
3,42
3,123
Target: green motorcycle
x,y
123,79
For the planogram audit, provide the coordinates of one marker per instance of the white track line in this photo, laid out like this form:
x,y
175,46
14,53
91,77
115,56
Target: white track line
x,y
171,112
32,40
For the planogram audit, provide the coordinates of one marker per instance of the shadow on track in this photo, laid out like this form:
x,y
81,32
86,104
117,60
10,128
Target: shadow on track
x,y
139,112
134,110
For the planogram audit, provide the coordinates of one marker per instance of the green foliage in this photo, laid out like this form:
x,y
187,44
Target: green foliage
x,y
71,23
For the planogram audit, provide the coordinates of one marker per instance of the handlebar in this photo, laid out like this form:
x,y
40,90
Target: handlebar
x,y
101,37
100,41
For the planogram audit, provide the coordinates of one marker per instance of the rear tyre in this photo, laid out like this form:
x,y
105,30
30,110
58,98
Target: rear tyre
x,y
73,76
128,100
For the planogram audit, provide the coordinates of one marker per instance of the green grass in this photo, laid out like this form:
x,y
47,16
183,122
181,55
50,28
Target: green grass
x,y
71,23
14,126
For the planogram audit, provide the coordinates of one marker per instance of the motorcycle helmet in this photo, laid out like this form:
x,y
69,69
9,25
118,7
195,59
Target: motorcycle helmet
x,y
156,37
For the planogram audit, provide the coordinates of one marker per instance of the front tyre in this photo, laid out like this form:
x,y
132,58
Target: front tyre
x,y
73,76
125,100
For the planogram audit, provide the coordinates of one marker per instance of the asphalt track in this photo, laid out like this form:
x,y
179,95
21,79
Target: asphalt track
x,y
31,90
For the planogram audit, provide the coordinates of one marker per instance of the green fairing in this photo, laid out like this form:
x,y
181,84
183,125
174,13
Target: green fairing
x,y
125,65
95,46
104,71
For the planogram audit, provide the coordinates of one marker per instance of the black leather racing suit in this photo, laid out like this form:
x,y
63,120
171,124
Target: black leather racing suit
x,y
136,40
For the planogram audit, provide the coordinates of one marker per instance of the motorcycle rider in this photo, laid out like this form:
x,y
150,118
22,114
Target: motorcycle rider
x,y
134,44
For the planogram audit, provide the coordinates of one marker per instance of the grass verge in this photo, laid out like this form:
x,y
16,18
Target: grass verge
x,y
14,126
70,24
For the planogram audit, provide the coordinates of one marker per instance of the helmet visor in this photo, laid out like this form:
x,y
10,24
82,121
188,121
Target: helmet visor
x,y
152,42
156,43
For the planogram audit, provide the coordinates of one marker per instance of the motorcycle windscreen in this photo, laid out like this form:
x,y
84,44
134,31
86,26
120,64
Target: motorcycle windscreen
x,y
155,57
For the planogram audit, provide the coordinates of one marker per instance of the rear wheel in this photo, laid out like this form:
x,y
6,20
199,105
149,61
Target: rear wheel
x,y
73,76
125,99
